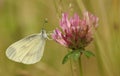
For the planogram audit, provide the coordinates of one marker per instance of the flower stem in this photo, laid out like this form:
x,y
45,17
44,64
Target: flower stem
x,y
76,67
80,66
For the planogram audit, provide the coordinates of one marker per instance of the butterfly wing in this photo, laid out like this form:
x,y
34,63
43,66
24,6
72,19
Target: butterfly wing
x,y
28,50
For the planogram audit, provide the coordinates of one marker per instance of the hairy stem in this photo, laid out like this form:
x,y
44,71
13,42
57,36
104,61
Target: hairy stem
x,y
76,67
80,66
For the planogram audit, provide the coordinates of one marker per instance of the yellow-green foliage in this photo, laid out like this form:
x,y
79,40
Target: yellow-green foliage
x,y
19,18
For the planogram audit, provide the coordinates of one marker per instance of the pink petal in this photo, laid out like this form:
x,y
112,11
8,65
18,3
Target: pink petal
x,y
91,19
75,20
64,23
57,36
94,20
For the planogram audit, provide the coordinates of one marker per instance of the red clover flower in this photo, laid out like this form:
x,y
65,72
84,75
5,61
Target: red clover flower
x,y
76,33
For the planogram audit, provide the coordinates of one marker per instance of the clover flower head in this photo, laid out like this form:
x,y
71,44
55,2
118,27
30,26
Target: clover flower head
x,y
75,33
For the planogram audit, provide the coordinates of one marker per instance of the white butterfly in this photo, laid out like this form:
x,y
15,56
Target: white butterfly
x,y
28,50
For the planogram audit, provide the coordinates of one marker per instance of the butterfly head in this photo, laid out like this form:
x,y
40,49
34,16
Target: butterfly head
x,y
43,33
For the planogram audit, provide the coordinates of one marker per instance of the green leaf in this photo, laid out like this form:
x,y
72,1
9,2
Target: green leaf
x,y
88,54
73,54
76,54
65,59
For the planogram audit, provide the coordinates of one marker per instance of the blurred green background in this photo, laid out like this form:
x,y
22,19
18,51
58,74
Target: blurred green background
x,y
19,18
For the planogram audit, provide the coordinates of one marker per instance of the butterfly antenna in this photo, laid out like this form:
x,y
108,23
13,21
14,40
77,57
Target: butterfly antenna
x,y
45,21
